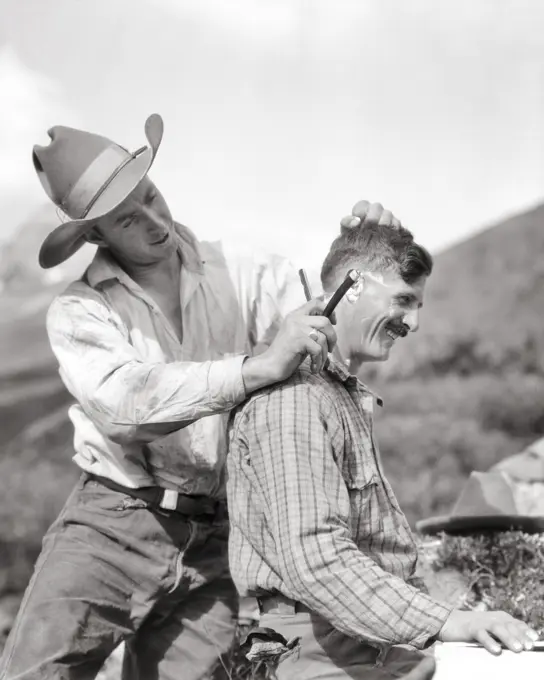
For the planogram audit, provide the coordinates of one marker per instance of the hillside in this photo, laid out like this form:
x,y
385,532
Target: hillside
x,y
30,386
481,320
20,272
483,306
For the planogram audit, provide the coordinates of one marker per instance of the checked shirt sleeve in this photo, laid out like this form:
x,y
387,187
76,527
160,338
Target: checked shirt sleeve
x,y
293,436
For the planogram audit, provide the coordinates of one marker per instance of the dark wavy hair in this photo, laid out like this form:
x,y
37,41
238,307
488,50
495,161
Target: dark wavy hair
x,y
376,249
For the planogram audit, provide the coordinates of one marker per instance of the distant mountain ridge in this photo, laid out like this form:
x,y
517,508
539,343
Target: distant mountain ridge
x,y
484,300
19,267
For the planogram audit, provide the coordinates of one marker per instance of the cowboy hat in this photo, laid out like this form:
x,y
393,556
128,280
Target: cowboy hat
x,y
527,466
87,176
486,503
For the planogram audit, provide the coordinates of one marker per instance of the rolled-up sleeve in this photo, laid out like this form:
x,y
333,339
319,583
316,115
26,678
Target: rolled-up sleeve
x,y
292,438
129,399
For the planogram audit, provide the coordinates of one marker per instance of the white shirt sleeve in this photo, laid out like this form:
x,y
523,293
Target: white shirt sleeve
x,y
127,398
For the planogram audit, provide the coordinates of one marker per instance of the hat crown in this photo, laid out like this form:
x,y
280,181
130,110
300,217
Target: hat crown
x,y
64,161
485,494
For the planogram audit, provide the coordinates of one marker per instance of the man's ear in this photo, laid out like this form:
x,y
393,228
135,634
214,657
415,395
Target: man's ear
x,y
94,237
354,293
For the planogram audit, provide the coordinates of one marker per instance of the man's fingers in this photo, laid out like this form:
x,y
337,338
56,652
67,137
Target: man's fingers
x,y
365,212
360,210
513,634
324,349
314,347
386,219
375,211
321,323
350,222
485,639
311,314
508,635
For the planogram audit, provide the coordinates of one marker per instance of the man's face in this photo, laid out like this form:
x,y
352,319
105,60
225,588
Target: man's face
x,y
385,310
140,230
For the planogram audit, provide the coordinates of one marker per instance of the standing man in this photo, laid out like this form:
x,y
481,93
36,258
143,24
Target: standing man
x,y
317,534
156,342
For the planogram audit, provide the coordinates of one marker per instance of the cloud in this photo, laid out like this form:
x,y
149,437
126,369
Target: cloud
x,y
250,19
31,103
280,114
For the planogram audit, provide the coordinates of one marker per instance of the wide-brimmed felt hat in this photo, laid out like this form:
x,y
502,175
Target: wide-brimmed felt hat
x,y
486,503
526,466
87,176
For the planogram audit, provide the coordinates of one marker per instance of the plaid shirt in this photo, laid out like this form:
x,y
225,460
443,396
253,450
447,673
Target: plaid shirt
x,y
314,518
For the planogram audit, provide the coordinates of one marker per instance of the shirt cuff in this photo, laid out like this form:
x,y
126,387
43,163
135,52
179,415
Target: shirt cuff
x,y
225,381
428,617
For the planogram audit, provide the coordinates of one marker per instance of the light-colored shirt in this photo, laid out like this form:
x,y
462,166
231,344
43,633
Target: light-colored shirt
x,y
313,516
136,385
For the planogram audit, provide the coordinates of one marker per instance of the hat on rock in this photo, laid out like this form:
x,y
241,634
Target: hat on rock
x,y
527,466
486,503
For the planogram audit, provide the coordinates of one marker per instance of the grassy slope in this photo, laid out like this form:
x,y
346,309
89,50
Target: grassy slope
x,y
488,292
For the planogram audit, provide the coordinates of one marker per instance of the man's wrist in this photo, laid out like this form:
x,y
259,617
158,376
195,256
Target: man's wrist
x,y
451,619
257,372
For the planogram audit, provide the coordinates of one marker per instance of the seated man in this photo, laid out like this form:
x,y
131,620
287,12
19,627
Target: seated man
x,y
317,534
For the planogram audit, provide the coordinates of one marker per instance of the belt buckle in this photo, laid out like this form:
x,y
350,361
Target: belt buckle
x,y
276,605
169,500
287,608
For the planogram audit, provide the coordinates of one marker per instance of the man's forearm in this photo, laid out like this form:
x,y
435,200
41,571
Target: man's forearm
x,y
257,373
140,403
361,599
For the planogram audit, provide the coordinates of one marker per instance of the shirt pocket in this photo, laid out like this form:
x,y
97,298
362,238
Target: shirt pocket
x,y
366,508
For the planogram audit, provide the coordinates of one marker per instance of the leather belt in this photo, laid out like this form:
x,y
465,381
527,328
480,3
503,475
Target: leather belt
x,y
167,499
279,604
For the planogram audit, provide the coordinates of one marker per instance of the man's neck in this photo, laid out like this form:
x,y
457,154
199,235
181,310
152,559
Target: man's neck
x,y
353,365
157,276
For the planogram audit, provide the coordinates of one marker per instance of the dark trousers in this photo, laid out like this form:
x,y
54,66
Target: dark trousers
x,y
112,570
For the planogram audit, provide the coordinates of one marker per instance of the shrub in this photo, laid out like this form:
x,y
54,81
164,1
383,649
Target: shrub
x,y
427,459
516,407
505,571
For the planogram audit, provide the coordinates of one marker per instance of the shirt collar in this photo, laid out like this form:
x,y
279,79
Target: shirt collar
x,y
104,267
339,371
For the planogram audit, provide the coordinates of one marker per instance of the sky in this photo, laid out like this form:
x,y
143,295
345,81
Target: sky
x,y
281,114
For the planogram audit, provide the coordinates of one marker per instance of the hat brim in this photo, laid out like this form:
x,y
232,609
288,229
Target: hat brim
x,y
483,523
69,236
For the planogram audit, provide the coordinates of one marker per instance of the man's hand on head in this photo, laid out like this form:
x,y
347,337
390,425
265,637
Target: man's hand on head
x,y
364,213
305,331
